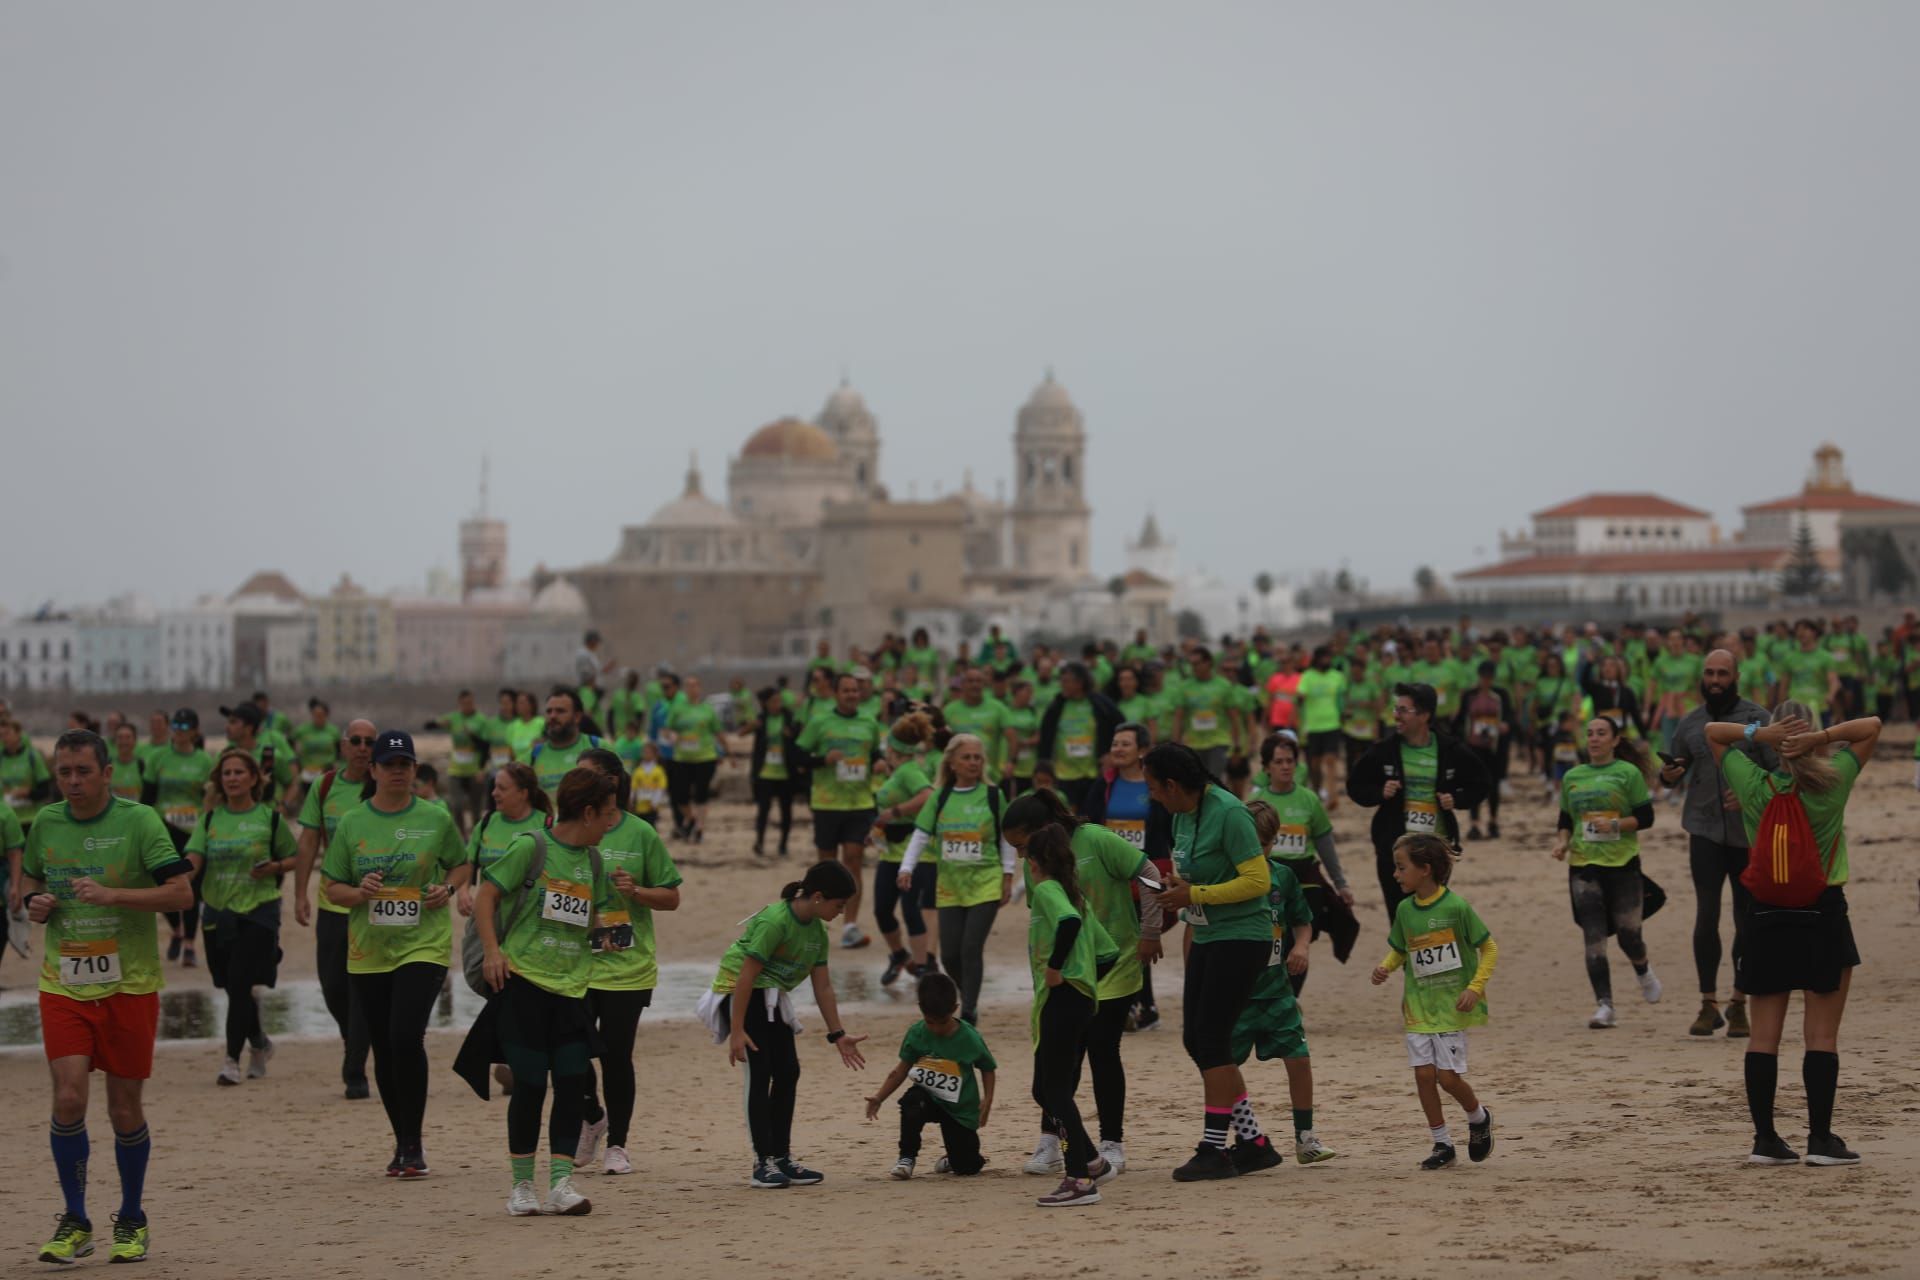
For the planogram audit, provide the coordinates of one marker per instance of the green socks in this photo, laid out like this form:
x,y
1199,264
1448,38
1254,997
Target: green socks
x,y
558,1167
1303,1120
522,1168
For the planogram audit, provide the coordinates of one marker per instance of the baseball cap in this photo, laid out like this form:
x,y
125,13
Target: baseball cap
x,y
394,744
244,711
186,719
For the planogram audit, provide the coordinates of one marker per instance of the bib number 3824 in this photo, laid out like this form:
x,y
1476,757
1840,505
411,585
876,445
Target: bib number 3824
x,y
564,902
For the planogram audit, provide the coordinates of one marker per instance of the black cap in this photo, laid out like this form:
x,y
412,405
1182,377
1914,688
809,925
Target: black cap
x,y
245,711
393,745
186,719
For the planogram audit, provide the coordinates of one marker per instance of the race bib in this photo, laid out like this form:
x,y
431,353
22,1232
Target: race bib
x,y
1432,954
311,776
1205,722
1423,817
1291,842
1486,729
394,908
776,757
961,846
850,771
90,964
181,817
564,902
502,753
1280,944
939,1077
1566,753
1195,915
17,799
1597,827
465,757
1079,748
1132,830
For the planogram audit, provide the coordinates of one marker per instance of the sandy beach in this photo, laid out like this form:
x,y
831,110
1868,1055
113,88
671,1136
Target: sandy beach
x,y
1619,1152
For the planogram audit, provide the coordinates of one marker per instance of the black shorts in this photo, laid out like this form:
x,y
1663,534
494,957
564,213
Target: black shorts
x,y
1804,949
1326,742
1219,980
835,827
699,780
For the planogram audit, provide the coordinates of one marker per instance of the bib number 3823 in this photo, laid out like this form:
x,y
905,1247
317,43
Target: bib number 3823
x,y
939,1077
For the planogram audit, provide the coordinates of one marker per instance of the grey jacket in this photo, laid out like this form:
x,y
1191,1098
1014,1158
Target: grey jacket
x,y
1705,814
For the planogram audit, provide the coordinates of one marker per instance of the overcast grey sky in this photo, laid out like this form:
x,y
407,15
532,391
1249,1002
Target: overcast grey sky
x,y
274,275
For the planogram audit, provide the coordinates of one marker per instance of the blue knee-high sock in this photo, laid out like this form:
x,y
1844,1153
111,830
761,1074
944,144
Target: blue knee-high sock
x,y
130,1151
70,1161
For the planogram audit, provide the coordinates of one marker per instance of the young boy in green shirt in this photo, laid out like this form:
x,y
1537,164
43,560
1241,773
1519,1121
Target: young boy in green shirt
x,y
940,1055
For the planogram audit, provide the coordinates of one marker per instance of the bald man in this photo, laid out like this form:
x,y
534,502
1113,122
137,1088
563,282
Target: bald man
x,y
331,795
1716,837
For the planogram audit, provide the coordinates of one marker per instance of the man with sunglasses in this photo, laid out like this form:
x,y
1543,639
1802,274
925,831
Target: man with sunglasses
x,y
332,795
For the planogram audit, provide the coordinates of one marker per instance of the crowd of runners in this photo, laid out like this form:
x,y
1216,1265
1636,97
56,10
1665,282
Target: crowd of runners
x,y
1131,797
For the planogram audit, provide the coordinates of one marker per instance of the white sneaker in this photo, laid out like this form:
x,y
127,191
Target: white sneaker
x,y
590,1135
1308,1149
1115,1155
523,1202
563,1201
229,1072
1602,1017
1650,986
1048,1160
258,1056
902,1169
615,1162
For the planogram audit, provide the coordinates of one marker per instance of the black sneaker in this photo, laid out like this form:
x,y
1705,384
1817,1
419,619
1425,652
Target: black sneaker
x,y
1146,1018
896,963
1209,1163
1829,1150
1771,1149
798,1174
1252,1157
1493,831
1473,832
396,1164
1480,1138
357,1089
1442,1157
414,1164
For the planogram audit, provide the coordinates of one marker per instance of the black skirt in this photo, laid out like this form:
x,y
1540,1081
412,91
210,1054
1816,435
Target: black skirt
x,y
1798,949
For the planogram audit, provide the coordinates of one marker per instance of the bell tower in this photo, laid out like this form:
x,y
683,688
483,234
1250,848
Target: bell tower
x,y
1051,522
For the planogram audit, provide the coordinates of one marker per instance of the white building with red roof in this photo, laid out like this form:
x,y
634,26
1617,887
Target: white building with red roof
x,y
1826,501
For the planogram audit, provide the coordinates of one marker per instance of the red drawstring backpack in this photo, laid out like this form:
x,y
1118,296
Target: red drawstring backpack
x,y
1784,866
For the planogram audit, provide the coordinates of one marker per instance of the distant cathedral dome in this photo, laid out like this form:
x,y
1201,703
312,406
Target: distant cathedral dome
x,y
693,509
846,416
1050,409
791,438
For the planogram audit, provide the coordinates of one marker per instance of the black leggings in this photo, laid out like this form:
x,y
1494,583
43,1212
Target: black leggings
x,y
186,923
913,903
917,1111
1607,900
1064,1021
963,947
253,952
617,1014
1220,977
1109,1072
773,1080
1711,863
330,961
398,1005
766,793
1496,764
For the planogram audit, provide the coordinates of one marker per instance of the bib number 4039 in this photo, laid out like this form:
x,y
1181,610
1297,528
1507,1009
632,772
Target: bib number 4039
x,y
394,909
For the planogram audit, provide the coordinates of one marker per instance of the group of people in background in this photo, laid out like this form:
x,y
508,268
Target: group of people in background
x,y
1120,793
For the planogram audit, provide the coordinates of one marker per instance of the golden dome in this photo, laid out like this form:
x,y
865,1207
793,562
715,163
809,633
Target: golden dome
x,y
791,438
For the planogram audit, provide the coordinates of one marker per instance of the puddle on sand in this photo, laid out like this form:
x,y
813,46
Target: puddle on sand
x,y
297,1008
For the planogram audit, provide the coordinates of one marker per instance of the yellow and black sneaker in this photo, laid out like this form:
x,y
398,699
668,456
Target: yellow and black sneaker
x,y
129,1241
72,1241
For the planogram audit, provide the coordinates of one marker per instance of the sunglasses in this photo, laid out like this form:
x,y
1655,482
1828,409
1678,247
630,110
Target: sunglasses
x,y
357,741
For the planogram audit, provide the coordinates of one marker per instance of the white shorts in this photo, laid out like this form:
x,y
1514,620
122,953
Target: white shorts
x,y
1446,1050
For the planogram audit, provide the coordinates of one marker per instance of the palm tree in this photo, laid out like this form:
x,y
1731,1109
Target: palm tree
x,y
1426,581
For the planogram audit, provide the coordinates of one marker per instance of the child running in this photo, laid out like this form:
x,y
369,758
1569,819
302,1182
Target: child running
x,y
784,944
1439,938
940,1056
1270,1023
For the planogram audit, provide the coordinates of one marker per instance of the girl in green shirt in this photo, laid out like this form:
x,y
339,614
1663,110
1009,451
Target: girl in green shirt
x,y
773,733
906,791
128,776
1604,805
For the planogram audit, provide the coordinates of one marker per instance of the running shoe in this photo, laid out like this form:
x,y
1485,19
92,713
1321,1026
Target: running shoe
x,y
767,1177
414,1164
524,1202
230,1073
1602,1017
129,1241
1650,986
564,1202
590,1135
615,1162
1308,1149
72,1241
1480,1137
896,964
1473,832
1708,1021
358,1091
1442,1157
1101,1172
798,1174
396,1164
1772,1149
1208,1163
1253,1157
852,938
1147,1019
1047,1159
258,1056
1114,1154
1829,1150
1070,1194
188,959
173,946
1737,1028
902,1170
1493,830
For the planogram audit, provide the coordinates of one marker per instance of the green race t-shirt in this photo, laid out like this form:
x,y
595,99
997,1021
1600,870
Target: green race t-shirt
x,y
906,782
964,832
1805,672
626,960
1303,819
787,949
316,746
1105,865
1025,724
1074,758
1592,796
944,1066
847,784
773,766
1287,909
551,763
230,844
1826,810
493,833
1441,940
1209,851
129,777
11,835
1047,906
1360,713
1320,693
1679,673
1209,707
90,952
696,729
987,721
1421,767
470,737
342,795
548,942
413,850
21,772
180,779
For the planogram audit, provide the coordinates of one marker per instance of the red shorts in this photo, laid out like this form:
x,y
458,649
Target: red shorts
x,y
116,1031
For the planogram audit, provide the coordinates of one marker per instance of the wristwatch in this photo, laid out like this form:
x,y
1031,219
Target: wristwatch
x,y
833,1037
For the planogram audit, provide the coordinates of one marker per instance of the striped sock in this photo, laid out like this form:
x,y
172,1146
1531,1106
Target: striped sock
x,y
130,1152
70,1148
522,1168
558,1167
1218,1121
1244,1123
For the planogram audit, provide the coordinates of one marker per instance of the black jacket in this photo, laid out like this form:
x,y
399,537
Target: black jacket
x,y
1159,822
1608,696
762,740
1106,718
1461,774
